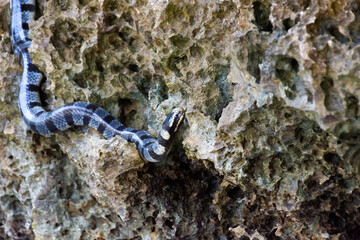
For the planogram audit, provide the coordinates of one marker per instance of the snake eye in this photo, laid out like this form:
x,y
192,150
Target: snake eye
x,y
178,117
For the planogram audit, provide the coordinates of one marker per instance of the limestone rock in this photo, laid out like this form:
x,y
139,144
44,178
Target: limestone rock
x,y
270,147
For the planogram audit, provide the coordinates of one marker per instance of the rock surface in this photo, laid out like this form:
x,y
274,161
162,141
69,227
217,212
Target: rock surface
x,y
270,148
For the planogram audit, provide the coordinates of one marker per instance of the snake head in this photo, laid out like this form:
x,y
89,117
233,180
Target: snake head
x,y
173,120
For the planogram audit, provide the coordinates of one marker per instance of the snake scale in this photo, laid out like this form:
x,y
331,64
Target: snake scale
x,y
76,113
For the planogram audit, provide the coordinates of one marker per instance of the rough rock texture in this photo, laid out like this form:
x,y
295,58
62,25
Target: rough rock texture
x,y
270,148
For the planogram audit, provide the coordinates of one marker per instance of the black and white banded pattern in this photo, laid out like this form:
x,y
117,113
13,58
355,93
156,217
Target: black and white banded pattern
x,y
77,113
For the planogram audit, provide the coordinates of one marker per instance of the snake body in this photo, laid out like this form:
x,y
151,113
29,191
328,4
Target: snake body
x,y
77,113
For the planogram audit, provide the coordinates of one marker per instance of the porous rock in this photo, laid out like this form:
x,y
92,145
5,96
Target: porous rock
x,y
270,147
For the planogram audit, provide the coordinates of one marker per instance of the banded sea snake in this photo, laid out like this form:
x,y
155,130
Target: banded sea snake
x,y
76,113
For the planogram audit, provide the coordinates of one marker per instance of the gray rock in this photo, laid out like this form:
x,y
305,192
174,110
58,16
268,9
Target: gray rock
x,y
270,147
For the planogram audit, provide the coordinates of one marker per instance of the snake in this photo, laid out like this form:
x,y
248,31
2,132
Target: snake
x,y
78,113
